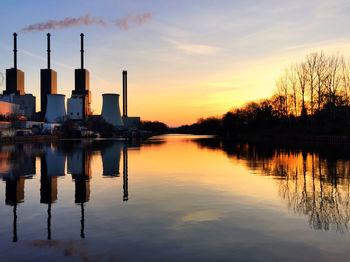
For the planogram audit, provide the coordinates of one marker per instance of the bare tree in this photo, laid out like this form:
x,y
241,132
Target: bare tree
x,y
346,81
311,65
302,77
333,80
321,69
293,83
283,91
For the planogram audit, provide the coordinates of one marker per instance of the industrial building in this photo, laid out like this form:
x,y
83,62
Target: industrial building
x,y
78,106
8,109
14,92
54,107
111,111
130,123
48,81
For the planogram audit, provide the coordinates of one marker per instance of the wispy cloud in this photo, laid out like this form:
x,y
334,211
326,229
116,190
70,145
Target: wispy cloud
x,y
330,9
2,79
68,22
194,48
133,20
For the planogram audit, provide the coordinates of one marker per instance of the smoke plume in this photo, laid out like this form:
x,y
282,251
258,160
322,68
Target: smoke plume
x,y
131,20
68,22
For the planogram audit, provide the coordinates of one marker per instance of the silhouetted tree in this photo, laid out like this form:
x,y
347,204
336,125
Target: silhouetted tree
x,y
155,127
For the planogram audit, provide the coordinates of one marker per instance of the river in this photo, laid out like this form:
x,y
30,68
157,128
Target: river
x,y
172,198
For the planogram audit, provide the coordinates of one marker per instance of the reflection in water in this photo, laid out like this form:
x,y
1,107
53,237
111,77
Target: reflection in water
x,y
312,184
48,191
55,161
125,174
236,200
20,165
79,165
111,159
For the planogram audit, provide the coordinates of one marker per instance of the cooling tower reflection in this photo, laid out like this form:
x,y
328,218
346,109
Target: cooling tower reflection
x,y
18,162
111,159
271,199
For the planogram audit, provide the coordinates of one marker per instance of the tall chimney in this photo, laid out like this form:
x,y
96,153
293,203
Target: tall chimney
x,y
48,51
125,94
15,50
82,50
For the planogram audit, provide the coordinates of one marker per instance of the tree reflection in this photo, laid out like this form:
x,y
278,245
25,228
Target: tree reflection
x,y
313,183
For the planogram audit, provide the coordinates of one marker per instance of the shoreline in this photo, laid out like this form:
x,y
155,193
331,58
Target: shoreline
x,y
28,139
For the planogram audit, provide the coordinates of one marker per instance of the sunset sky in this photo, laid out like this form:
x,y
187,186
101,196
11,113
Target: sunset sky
x,y
186,59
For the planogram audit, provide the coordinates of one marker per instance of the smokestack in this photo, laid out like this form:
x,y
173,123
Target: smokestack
x,y
48,51
125,94
82,50
15,50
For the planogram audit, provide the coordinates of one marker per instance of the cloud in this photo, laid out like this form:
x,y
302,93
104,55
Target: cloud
x,y
131,20
194,48
68,22
330,9
2,79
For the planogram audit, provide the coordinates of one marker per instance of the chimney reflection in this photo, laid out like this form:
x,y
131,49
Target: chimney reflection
x,y
48,191
14,195
125,173
21,167
111,163
80,169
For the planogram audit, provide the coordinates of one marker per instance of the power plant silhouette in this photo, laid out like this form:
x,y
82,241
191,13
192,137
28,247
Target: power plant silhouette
x,y
54,108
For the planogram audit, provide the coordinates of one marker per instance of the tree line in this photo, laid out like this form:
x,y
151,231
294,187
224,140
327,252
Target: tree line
x,y
319,82
311,97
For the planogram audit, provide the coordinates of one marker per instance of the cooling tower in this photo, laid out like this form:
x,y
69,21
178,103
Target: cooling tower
x,y
55,110
111,111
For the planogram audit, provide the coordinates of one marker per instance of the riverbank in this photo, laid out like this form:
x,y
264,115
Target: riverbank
x,y
292,139
27,139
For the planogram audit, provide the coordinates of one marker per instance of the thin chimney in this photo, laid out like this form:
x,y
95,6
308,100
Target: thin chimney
x,y
82,50
125,94
15,50
48,51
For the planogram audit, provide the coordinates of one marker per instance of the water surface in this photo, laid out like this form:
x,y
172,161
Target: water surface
x,y
172,198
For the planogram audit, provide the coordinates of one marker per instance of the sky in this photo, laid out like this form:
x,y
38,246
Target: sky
x,y
186,59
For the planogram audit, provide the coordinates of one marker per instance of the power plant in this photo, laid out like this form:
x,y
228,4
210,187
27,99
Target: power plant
x,y
111,111
48,83
79,104
54,108
14,92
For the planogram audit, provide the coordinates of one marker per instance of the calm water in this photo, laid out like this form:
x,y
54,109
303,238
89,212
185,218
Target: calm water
x,y
173,198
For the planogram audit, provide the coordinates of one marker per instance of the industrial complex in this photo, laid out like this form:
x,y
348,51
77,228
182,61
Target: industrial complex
x,y
55,109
